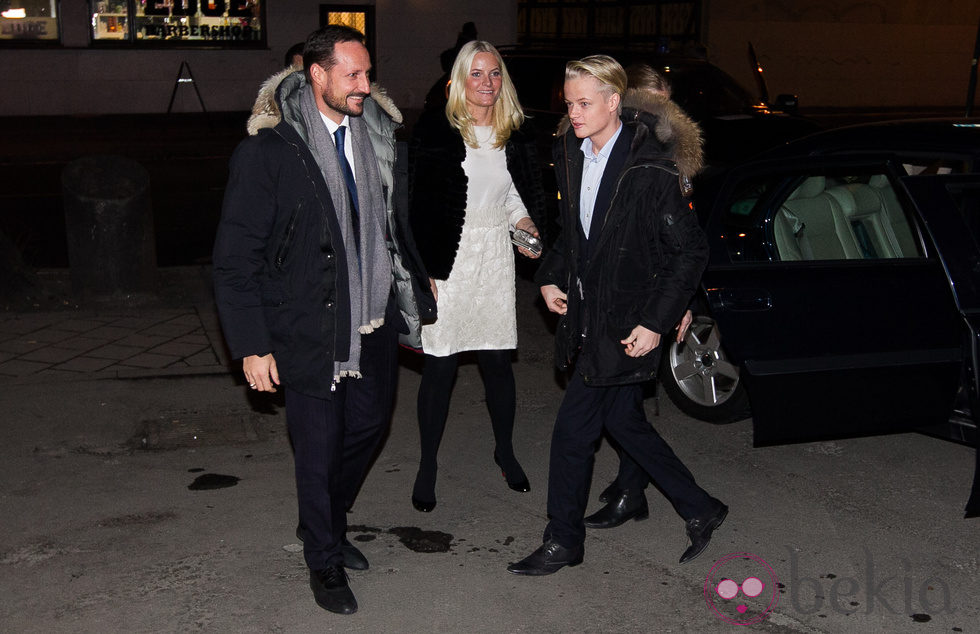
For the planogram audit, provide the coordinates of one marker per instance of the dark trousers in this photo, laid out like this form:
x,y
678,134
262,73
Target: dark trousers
x,y
334,441
583,414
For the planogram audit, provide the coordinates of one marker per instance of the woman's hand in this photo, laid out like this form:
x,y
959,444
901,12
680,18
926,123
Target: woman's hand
x,y
434,289
526,224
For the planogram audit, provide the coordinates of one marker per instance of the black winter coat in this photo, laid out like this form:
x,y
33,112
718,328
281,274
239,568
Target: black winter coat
x,y
276,273
643,268
437,187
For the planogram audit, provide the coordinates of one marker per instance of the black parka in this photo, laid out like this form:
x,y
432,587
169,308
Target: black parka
x,y
645,265
280,273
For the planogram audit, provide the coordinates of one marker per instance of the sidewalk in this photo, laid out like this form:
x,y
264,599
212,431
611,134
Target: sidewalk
x,y
175,334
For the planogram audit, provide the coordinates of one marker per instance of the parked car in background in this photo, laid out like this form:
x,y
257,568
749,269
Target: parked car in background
x,y
842,295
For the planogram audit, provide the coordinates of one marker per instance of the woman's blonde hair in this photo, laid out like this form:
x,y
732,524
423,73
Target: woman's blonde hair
x,y
607,71
507,112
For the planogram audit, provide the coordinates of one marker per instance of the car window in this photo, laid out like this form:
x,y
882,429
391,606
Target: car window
x,y
827,216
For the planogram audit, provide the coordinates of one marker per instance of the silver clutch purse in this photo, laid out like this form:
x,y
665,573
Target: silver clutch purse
x,y
524,239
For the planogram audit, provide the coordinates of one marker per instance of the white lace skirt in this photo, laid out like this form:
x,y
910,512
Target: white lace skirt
x,y
477,305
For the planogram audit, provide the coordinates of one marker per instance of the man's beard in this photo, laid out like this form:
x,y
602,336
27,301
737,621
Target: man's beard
x,y
341,105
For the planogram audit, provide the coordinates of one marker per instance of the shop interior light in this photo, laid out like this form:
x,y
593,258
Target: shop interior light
x,y
11,14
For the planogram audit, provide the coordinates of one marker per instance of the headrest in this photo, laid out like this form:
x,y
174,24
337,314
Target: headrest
x,y
856,200
809,188
879,180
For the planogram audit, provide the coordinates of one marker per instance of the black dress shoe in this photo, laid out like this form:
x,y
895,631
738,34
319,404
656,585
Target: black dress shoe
x,y
520,484
353,558
611,492
629,505
549,558
423,506
331,590
699,530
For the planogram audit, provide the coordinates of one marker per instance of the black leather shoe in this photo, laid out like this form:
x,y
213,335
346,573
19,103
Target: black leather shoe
x,y
629,505
611,492
331,590
549,558
520,484
699,530
353,558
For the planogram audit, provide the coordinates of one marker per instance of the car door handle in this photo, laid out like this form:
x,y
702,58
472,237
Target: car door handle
x,y
740,298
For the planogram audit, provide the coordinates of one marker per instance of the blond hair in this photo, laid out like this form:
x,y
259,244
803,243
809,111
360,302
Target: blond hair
x,y
507,112
607,71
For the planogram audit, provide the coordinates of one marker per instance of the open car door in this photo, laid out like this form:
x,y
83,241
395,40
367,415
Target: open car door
x,y
950,207
833,298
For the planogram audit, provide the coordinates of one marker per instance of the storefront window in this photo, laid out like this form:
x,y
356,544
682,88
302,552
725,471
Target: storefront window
x,y
188,22
29,20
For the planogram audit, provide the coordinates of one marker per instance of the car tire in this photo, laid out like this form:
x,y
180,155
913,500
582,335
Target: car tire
x,y
699,379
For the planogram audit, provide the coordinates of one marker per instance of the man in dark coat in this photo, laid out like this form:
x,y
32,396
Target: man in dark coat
x,y
621,274
309,279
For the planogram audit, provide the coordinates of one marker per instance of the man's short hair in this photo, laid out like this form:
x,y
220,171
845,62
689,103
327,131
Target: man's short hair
x,y
295,49
319,47
608,72
644,77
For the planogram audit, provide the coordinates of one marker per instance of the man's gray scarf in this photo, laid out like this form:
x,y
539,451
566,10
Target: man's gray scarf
x,y
370,279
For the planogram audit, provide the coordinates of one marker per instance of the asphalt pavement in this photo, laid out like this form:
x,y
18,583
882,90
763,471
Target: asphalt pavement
x,y
113,411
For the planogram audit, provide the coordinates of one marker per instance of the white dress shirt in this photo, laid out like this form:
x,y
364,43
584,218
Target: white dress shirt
x,y
592,169
348,143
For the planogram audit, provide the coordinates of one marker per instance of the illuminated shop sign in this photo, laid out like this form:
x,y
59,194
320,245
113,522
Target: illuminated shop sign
x,y
28,20
179,21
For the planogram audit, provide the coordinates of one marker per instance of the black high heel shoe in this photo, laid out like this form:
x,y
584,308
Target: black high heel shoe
x,y
421,504
521,486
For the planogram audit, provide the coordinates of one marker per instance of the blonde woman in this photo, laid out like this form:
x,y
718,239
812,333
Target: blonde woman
x,y
474,178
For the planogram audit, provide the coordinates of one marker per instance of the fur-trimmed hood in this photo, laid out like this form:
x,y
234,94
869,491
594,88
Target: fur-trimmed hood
x,y
266,114
678,133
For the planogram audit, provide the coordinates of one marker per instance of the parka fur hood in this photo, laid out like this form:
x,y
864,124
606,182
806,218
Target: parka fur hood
x,y
676,131
266,114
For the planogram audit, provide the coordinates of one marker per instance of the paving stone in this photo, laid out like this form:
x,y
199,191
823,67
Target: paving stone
x,y
81,325
114,351
148,360
176,349
203,358
52,335
19,367
197,338
85,364
82,343
137,323
50,354
20,346
187,319
141,340
171,329
112,333
27,323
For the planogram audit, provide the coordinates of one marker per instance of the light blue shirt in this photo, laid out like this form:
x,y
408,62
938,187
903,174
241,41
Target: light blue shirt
x,y
592,169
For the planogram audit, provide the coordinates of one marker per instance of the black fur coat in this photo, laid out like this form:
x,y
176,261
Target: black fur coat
x,y
437,187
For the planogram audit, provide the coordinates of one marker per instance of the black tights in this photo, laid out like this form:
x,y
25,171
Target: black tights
x,y
438,377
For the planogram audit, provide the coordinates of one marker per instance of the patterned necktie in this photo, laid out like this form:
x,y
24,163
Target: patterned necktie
x,y
338,137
